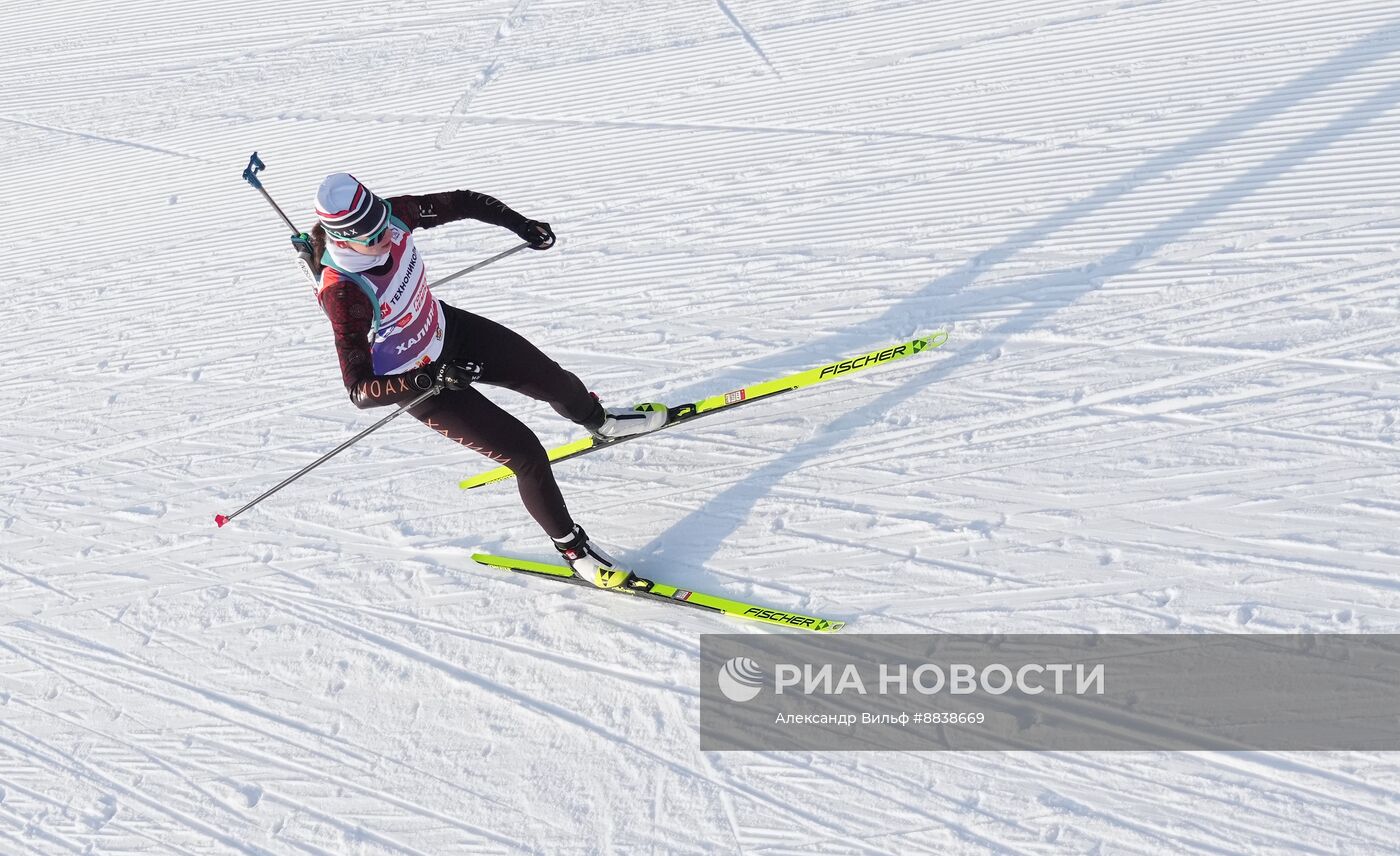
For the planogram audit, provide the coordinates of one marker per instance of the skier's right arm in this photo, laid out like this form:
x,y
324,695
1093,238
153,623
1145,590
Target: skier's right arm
x,y
349,311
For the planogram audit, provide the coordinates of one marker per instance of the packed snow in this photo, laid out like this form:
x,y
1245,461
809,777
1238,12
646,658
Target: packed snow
x,y
1161,236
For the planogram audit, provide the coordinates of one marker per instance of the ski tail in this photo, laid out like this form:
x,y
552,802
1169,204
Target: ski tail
x,y
715,403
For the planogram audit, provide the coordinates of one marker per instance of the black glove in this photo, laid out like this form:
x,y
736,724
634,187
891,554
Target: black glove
x,y
456,376
451,376
538,235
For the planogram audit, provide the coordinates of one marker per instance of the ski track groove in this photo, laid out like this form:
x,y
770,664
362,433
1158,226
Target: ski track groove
x,y
178,770
538,706
482,639
56,759
138,669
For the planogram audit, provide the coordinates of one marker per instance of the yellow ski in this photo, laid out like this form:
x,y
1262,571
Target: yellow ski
x,y
682,413
655,590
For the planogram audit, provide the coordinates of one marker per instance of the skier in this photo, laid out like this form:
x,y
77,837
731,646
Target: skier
x,y
396,341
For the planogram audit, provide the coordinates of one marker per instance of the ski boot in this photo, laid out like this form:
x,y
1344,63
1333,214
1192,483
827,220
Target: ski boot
x,y
613,422
589,562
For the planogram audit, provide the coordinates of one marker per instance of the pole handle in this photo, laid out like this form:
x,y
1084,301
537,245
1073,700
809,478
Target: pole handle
x,y
255,166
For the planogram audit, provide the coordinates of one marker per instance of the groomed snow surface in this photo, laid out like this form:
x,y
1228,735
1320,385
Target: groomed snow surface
x,y
1161,235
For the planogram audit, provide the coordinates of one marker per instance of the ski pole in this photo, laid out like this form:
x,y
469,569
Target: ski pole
x,y
221,519
497,257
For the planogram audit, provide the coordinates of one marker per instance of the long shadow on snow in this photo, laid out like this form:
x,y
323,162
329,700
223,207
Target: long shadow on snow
x,y
704,532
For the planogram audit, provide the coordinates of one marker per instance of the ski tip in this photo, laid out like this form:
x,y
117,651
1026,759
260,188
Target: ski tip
x,y
220,520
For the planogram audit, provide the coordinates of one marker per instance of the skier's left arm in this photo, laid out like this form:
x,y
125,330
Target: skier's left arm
x,y
427,210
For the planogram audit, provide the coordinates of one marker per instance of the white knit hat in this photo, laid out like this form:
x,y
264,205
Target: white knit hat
x,y
347,209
